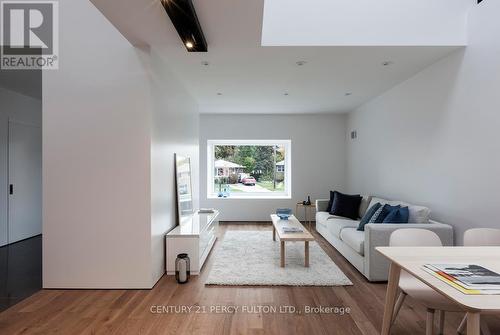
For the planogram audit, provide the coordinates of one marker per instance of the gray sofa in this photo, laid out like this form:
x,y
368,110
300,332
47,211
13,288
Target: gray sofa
x,y
358,247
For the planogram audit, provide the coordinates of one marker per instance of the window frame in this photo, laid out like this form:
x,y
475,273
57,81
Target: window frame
x,y
287,194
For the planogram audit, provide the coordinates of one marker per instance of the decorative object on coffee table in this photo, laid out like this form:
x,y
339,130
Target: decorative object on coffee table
x,y
284,213
308,212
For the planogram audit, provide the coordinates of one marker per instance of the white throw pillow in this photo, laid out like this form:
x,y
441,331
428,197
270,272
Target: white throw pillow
x,y
363,207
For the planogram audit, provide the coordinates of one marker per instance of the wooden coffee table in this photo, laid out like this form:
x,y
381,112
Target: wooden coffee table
x,y
305,236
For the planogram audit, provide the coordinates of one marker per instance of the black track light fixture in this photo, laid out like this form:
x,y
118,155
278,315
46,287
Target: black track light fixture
x,y
183,16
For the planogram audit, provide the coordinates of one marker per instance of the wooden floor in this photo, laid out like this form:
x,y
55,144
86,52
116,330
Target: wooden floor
x,y
129,311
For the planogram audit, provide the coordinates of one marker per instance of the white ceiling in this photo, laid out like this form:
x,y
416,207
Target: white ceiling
x,y
252,78
366,22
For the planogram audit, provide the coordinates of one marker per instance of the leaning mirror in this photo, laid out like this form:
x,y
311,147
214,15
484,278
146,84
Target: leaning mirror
x,y
184,190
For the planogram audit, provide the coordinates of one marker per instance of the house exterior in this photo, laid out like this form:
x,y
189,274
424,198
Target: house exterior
x,y
280,166
280,171
225,168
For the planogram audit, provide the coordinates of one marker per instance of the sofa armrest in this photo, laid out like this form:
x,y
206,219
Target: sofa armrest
x,y
322,205
378,235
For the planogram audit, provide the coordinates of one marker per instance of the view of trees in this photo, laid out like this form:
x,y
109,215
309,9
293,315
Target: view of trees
x,y
258,160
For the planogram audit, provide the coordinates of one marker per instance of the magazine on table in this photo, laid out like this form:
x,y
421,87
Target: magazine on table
x,y
468,278
292,230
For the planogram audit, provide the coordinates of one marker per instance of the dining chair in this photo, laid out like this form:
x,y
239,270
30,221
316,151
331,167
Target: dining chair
x,y
419,291
480,237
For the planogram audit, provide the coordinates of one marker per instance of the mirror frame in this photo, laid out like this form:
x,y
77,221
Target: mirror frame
x,y
177,159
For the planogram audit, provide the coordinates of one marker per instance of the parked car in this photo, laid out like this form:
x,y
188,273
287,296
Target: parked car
x,y
241,176
248,181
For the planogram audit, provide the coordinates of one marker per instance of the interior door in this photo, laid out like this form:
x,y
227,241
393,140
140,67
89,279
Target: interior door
x,y
25,181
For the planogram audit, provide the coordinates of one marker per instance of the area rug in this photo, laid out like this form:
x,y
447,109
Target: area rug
x,y
253,258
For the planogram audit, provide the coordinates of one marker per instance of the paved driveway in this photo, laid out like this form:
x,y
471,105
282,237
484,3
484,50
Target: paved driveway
x,y
250,189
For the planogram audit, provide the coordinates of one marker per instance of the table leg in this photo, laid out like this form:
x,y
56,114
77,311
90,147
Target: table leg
x,y
274,233
429,324
473,323
310,218
441,321
306,254
282,249
390,297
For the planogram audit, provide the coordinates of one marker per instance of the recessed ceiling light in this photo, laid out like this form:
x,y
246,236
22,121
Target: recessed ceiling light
x,y
205,63
387,63
301,62
189,45
348,94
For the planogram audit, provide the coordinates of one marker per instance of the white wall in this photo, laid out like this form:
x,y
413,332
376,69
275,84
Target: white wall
x,y
111,125
174,130
21,108
96,158
365,22
318,157
434,139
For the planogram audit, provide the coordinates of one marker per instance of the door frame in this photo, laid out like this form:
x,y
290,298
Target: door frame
x,y
11,120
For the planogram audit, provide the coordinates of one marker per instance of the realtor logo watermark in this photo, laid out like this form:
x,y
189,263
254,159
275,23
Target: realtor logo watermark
x,y
29,35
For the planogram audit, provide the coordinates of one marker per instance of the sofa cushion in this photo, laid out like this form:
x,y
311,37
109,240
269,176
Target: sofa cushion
x,y
386,209
417,214
330,202
346,205
354,239
322,217
363,207
336,224
368,215
376,214
398,215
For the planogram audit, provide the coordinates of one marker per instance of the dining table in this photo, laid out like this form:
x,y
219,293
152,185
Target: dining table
x,y
413,259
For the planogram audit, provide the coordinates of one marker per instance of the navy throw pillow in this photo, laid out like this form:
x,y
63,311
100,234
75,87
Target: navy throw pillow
x,y
346,205
386,209
376,214
332,195
399,215
368,215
